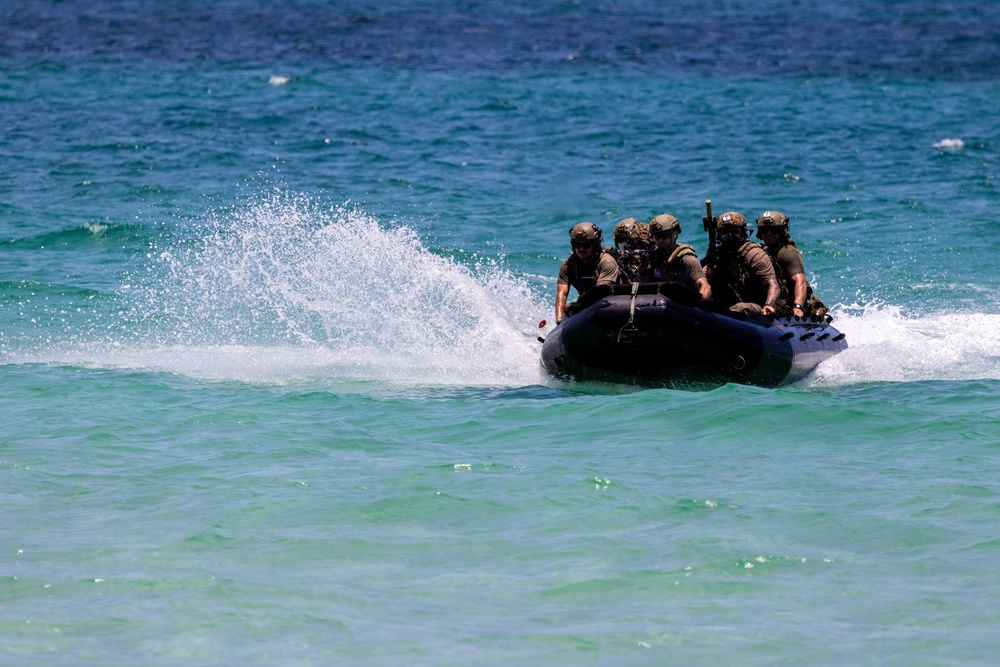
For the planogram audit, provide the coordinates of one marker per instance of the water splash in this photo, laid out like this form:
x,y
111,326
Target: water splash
x,y
887,345
286,289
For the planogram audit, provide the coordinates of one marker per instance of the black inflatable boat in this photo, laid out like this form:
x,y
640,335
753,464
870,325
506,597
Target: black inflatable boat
x,y
664,335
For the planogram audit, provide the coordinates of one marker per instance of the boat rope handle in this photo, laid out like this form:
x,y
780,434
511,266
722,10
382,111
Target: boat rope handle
x,y
631,313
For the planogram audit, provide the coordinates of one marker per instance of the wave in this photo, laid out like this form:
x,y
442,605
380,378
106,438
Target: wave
x,y
79,236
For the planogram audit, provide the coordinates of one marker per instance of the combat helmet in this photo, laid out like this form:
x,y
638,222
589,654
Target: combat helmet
x,y
585,232
730,221
772,220
664,223
732,228
626,230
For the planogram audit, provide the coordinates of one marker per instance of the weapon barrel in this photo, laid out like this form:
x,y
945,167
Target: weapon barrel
x,y
709,223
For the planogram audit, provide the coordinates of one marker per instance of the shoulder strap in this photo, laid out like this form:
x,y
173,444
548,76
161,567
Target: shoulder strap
x,y
747,247
682,250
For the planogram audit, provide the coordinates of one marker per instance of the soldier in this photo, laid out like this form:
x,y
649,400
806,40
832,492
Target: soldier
x,y
626,232
630,250
743,277
589,265
772,228
672,262
644,232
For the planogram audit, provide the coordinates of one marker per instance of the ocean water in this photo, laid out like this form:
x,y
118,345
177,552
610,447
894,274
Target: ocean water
x,y
270,286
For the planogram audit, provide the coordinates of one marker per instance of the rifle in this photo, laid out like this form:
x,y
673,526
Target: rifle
x,y
709,223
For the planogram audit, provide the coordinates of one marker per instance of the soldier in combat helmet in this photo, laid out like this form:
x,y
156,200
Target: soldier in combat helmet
x,y
772,228
741,272
589,265
630,250
674,262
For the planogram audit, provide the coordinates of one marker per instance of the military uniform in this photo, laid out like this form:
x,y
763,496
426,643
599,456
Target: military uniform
x,y
629,251
740,280
585,238
679,266
788,261
583,277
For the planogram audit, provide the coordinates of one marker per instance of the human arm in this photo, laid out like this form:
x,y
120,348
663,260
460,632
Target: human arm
x,y
696,274
789,258
764,270
703,288
800,290
562,293
708,266
773,292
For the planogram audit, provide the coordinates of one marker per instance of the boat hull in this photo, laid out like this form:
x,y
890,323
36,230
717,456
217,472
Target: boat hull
x,y
663,335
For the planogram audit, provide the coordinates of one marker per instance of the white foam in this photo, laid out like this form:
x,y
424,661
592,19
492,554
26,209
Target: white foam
x,y
887,345
287,365
950,145
276,80
286,289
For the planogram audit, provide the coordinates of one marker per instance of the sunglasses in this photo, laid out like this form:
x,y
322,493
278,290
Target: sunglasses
x,y
581,244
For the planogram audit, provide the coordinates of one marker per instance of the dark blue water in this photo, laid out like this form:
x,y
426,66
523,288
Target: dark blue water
x,y
953,40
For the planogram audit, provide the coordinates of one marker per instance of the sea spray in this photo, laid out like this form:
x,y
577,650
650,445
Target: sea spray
x,y
287,289
369,300
889,345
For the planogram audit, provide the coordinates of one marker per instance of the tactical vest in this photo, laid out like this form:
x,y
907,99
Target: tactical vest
x,y
661,270
682,250
666,270
583,276
735,280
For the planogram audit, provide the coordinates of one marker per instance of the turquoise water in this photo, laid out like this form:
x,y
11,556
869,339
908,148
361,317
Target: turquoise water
x,y
270,286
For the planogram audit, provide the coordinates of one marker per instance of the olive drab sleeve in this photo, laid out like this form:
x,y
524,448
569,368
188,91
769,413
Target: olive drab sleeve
x,y
760,263
789,258
563,274
607,270
763,267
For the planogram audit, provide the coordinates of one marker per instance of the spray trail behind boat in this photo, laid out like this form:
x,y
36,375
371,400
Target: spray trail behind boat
x,y
286,289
